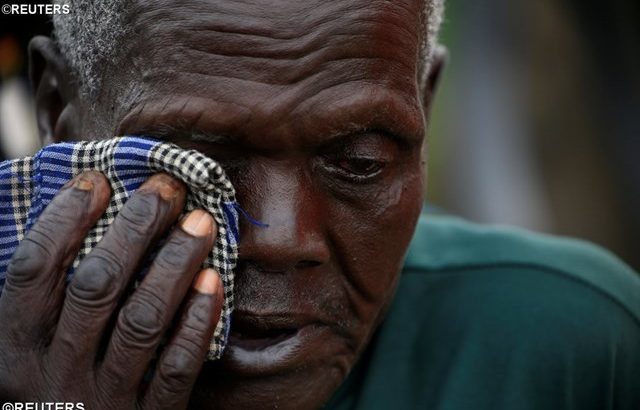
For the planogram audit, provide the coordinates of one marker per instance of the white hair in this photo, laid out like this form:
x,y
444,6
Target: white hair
x,y
90,38
431,21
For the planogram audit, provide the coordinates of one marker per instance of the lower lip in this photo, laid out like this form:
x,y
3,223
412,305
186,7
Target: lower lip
x,y
260,357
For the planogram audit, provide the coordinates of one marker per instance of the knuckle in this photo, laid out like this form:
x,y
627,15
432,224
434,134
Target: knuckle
x,y
139,215
141,322
42,248
178,368
44,233
68,341
175,255
29,259
96,279
198,319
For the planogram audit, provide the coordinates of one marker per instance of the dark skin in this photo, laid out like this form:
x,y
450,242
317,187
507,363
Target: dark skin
x,y
314,110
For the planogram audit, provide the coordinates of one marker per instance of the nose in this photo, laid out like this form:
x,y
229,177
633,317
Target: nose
x,y
282,197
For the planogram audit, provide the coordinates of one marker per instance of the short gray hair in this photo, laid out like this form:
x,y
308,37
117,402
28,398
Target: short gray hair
x,y
90,37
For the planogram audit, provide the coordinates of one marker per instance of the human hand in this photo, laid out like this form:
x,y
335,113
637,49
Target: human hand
x,y
88,342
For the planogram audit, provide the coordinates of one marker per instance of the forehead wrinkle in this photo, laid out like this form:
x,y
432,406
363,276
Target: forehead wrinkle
x,y
293,63
336,71
243,49
274,19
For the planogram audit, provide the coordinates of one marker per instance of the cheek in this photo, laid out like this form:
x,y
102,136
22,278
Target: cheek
x,y
371,241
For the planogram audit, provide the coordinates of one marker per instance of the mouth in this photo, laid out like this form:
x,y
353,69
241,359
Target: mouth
x,y
253,337
261,345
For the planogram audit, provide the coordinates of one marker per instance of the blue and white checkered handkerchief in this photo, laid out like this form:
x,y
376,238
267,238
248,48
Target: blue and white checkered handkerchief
x,y
28,185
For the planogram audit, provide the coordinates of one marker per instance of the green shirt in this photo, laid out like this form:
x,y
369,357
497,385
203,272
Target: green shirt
x,y
499,318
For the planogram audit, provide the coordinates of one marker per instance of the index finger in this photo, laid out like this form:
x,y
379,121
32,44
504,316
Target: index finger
x,y
34,288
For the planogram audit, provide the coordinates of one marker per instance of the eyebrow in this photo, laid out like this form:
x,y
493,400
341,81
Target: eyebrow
x,y
180,135
386,116
173,134
388,113
200,136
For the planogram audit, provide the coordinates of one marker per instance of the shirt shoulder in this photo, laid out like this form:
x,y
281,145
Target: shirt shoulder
x,y
444,244
490,317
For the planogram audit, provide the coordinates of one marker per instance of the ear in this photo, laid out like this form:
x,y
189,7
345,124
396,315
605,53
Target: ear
x,y
430,85
54,93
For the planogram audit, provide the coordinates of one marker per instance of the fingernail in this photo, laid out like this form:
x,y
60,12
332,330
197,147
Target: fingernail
x,y
83,184
207,282
85,181
198,223
166,186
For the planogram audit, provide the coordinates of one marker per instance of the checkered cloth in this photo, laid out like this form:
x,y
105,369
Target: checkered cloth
x,y
28,185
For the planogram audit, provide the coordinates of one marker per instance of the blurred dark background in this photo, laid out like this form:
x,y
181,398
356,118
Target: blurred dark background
x,y
18,131
537,121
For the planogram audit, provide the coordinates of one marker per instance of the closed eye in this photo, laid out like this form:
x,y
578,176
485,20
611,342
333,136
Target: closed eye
x,y
355,169
359,158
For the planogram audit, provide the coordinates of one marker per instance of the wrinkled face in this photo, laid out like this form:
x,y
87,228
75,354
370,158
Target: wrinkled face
x,y
313,109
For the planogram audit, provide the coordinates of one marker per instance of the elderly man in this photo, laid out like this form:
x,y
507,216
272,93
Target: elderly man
x,y
317,111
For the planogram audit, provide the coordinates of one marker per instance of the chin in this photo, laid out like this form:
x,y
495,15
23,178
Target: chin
x,y
267,394
293,369
306,388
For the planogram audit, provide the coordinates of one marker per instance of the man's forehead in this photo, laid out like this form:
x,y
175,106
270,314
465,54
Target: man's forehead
x,y
278,29
257,61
